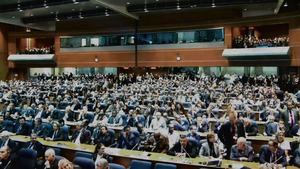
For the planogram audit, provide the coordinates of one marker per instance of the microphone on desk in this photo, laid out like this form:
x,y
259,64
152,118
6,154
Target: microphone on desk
x,y
138,143
190,158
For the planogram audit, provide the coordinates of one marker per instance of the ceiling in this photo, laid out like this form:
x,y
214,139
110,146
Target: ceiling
x,y
43,14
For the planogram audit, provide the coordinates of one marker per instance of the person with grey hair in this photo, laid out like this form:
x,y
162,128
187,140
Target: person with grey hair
x,y
241,151
50,161
101,164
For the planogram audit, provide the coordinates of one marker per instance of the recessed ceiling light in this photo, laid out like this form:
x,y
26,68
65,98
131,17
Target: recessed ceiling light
x,y
97,6
106,12
32,14
213,5
13,17
51,12
286,4
73,9
75,2
127,3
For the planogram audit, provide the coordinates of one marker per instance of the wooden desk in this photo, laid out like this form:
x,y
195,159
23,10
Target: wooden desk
x,y
125,157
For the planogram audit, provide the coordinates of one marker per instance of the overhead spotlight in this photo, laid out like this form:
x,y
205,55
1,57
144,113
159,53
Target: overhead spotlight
x,y
127,3
286,4
178,5
45,4
80,15
106,12
56,17
145,7
213,5
28,30
19,7
75,2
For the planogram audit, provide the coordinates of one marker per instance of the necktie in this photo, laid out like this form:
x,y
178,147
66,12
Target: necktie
x,y
292,118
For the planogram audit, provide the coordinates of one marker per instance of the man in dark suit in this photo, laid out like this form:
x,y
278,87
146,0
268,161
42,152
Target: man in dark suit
x,y
183,148
273,155
157,143
129,139
22,128
35,145
290,116
251,127
105,137
50,161
7,161
56,134
6,141
81,135
230,132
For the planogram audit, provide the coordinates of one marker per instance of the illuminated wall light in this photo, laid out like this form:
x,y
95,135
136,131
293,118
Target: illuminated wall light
x,y
75,2
213,4
106,12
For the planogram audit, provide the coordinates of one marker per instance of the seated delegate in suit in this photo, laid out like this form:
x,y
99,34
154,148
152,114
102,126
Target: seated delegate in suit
x,y
105,137
183,148
128,139
22,128
241,151
271,126
295,131
210,148
56,134
100,153
34,145
283,144
230,132
6,141
7,161
50,161
38,127
81,135
65,164
251,128
273,155
157,143
297,157
193,134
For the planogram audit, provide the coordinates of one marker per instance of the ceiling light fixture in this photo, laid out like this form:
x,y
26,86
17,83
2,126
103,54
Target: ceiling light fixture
x,y
213,4
19,6
145,7
178,5
286,4
56,17
45,4
80,15
75,2
106,12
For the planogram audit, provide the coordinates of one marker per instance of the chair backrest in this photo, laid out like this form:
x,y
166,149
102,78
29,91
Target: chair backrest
x,y
164,166
138,164
27,153
84,163
115,166
59,157
83,154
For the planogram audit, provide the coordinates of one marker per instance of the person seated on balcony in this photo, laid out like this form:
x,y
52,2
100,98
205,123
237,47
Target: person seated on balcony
x,y
241,151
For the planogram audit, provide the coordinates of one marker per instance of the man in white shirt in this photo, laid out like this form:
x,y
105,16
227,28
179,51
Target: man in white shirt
x,y
158,122
173,136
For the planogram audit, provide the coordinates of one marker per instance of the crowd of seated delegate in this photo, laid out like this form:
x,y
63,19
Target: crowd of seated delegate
x,y
254,42
139,103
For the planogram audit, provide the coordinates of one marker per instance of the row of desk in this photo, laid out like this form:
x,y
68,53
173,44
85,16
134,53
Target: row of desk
x,y
124,157
257,141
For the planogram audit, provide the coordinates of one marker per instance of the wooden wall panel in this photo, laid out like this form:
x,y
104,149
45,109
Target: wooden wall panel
x,y
105,59
188,57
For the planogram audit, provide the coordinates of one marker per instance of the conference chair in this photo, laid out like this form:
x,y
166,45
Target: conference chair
x,y
84,163
8,125
83,154
115,166
65,132
138,164
164,166
27,158
59,157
